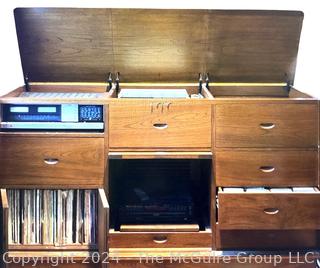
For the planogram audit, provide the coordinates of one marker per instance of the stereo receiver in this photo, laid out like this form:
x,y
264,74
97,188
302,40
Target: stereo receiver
x,y
52,117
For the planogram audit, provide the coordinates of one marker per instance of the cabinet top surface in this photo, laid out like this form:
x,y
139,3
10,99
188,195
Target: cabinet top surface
x,y
157,45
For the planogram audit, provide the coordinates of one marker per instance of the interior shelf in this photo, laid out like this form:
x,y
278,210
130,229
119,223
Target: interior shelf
x,y
160,155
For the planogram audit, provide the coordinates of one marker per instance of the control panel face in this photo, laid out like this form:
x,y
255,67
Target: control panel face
x,y
90,113
69,116
52,113
31,113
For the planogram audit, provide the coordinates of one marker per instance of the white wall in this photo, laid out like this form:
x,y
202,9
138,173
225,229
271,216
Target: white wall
x,y
309,54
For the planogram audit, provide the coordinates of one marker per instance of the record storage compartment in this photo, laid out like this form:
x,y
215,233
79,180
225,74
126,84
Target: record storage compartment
x,y
77,249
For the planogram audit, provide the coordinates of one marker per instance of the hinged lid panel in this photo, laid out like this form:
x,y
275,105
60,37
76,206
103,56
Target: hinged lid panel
x,y
148,45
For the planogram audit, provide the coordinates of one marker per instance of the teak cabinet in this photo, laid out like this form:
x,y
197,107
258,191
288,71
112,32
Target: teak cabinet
x,y
231,169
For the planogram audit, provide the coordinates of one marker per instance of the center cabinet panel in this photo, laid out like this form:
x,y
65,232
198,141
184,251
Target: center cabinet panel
x,y
266,125
51,162
152,124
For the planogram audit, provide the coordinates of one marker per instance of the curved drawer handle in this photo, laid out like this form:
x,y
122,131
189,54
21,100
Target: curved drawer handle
x,y
271,211
267,169
160,239
267,125
51,161
160,125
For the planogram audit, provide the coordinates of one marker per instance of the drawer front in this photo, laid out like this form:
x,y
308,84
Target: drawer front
x,y
164,125
51,162
266,125
266,168
269,211
160,240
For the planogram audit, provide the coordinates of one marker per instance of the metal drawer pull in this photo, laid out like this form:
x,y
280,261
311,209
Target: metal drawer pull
x,y
271,211
267,125
51,161
160,126
267,169
160,239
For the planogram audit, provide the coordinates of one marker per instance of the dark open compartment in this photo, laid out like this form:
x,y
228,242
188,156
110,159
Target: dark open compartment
x,y
160,191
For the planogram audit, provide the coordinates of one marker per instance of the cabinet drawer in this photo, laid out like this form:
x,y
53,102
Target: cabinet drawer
x,y
51,162
266,125
201,239
269,211
266,168
160,125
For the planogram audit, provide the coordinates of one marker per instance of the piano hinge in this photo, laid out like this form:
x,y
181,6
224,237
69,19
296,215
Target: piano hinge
x,y
26,83
109,82
287,87
200,83
207,81
117,80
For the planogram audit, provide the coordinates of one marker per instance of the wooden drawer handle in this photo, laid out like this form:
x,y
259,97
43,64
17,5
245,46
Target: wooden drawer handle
x,y
267,125
271,211
160,125
51,161
160,239
267,169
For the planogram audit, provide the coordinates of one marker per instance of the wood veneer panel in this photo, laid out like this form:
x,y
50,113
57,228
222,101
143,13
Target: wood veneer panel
x,y
266,168
58,44
133,125
80,162
266,125
269,211
65,44
4,206
165,239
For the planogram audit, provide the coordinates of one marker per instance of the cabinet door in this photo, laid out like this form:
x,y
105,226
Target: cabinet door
x,y
4,207
103,226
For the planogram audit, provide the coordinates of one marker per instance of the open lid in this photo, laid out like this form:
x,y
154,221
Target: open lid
x,y
148,45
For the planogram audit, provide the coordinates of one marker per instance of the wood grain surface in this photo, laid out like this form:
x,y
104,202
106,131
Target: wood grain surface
x,y
135,125
65,44
266,125
266,168
80,162
247,211
200,239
